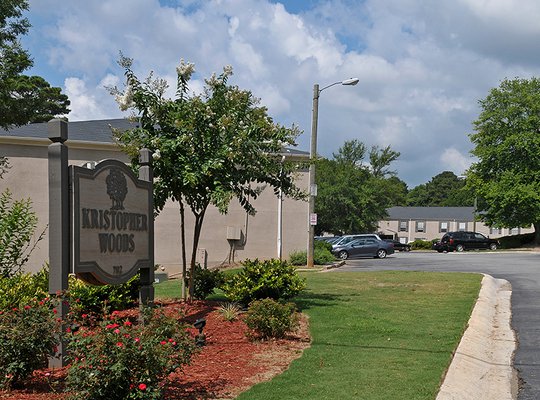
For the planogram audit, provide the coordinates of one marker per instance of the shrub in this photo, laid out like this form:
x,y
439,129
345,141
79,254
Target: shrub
x,y
322,257
121,360
86,298
298,258
20,289
205,281
267,318
321,254
274,279
17,225
28,336
421,245
516,241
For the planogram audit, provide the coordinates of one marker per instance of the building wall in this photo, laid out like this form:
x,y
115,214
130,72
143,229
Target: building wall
x,y
28,178
432,229
259,233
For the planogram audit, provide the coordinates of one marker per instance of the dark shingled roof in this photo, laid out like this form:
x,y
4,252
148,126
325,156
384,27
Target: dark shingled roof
x,y
90,131
431,213
96,131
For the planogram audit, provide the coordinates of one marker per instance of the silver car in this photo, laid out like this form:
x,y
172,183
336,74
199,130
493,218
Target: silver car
x,y
349,238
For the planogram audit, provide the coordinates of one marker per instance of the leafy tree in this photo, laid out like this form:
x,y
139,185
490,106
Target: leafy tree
x,y
380,160
443,190
208,148
507,145
23,98
392,190
418,196
351,197
352,153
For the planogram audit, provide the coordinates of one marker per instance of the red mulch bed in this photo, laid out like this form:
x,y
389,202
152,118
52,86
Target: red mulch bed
x,y
227,365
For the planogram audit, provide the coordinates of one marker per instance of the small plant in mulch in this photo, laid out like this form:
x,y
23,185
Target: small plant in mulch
x,y
230,311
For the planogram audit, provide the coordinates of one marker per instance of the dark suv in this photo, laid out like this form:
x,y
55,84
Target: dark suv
x,y
461,241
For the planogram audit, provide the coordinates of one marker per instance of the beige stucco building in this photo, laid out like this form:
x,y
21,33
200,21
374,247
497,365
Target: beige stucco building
x,y
408,224
224,239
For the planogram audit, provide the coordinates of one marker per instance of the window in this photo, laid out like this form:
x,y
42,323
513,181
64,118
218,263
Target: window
x,y
443,227
403,226
462,226
420,226
514,231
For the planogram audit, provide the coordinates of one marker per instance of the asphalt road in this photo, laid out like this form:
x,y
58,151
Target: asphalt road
x,y
521,269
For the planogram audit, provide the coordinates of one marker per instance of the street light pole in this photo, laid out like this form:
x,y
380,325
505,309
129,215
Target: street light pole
x,y
312,189
312,217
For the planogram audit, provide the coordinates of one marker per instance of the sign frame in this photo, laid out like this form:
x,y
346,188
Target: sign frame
x,y
89,270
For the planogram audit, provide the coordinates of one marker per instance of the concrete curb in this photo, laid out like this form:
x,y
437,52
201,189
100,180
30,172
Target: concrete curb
x,y
482,365
332,266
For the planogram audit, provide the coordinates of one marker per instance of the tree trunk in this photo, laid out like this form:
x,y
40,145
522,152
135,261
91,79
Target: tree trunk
x,y
199,218
536,233
183,251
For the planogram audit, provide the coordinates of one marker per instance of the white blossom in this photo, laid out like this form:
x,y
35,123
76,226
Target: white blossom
x,y
227,70
125,100
185,70
213,80
156,155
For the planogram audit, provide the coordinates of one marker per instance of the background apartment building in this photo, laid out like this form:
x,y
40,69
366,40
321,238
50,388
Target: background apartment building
x,y
407,224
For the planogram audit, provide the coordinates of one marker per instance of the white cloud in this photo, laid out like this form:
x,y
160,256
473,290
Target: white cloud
x,y
422,66
89,104
454,161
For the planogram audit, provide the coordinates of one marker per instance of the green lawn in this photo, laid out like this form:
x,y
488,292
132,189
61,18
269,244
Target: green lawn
x,y
376,335
168,290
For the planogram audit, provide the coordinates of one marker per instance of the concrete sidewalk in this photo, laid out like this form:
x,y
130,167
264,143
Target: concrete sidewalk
x,y
482,367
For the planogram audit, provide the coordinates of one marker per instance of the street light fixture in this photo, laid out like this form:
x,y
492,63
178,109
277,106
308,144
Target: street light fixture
x,y
312,217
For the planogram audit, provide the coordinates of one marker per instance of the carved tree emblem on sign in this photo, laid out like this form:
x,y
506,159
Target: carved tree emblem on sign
x,y
116,188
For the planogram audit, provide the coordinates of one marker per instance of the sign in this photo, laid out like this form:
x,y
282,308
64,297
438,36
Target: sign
x,y
312,219
111,230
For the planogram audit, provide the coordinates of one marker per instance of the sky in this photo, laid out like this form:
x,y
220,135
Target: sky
x,y
422,65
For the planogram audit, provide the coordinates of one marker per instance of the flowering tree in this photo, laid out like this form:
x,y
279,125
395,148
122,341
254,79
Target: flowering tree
x,y
207,148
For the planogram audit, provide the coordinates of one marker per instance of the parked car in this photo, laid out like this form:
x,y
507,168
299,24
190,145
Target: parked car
x,y
461,241
349,238
364,247
399,246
